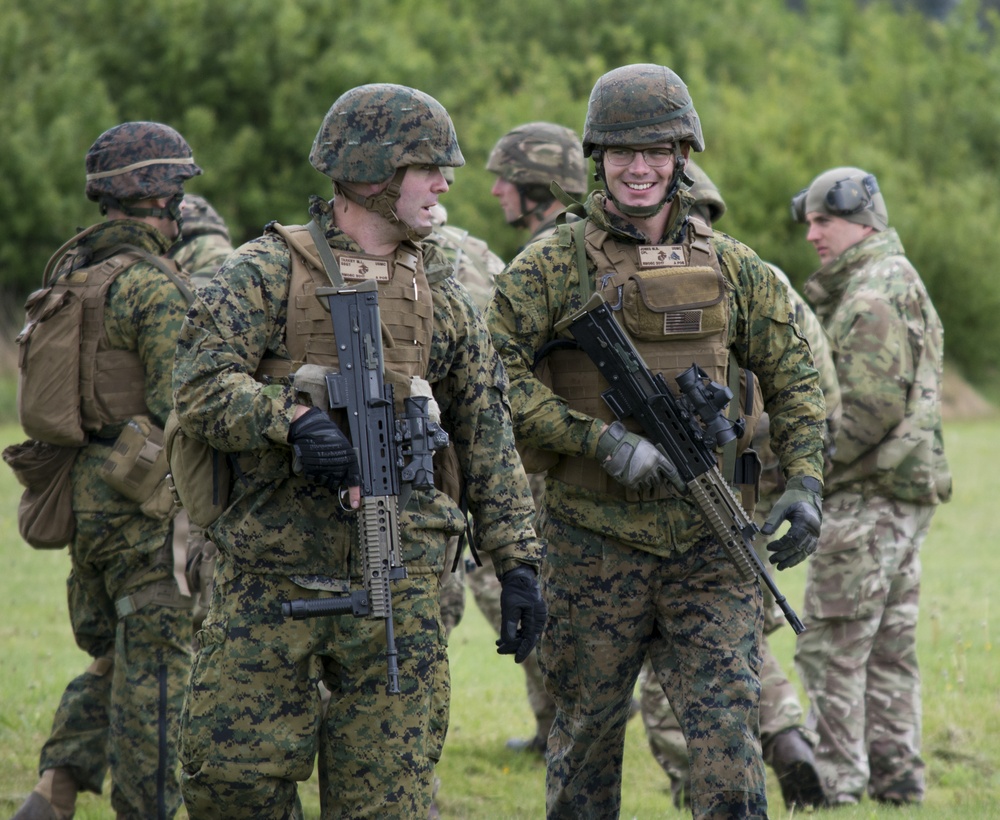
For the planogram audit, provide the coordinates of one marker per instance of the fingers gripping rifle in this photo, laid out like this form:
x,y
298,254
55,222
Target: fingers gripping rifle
x,y
673,425
381,442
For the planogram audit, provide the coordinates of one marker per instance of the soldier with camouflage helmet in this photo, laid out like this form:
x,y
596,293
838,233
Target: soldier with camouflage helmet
x,y
527,160
128,610
630,565
858,657
204,243
252,723
786,743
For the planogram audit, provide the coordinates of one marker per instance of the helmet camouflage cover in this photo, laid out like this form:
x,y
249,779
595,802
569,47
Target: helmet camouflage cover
x,y
706,194
539,153
201,218
641,104
139,160
372,130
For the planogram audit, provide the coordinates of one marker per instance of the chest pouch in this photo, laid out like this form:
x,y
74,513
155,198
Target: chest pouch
x,y
661,304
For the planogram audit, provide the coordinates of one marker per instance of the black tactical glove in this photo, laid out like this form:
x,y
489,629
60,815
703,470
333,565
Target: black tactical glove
x,y
800,504
322,451
634,461
520,603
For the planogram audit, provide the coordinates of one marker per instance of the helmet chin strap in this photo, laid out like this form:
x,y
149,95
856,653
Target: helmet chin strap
x,y
172,211
679,179
384,203
526,212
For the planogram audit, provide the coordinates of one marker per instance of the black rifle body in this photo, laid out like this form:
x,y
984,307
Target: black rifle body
x,y
672,425
359,388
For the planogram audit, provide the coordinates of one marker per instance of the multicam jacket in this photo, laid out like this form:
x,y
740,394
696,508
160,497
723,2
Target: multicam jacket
x,y
541,287
280,523
888,345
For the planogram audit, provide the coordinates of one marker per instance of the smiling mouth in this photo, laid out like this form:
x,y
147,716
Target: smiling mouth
x,y
639,186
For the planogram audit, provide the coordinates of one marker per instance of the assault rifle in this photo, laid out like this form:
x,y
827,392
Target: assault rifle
x,y
672,424
381,441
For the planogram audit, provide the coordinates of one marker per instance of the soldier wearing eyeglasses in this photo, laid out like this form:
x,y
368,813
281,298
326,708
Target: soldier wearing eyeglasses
x,y
632,567
857,658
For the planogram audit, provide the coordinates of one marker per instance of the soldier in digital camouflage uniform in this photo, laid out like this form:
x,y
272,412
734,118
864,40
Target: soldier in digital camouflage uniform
x,y
475,266
527,160
858,657
630,567
787,745
252,724
203,246
204,243
127,610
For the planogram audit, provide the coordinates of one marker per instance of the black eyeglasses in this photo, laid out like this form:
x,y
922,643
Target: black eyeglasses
x,y
653,157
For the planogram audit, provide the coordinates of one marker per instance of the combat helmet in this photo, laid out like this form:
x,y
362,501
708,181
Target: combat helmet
x,y
849,193
707,198
137,161
200,218
534,155
372,133
641,104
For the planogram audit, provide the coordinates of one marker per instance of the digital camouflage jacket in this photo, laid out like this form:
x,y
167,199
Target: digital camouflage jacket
x,y
280,523
541,287
888,345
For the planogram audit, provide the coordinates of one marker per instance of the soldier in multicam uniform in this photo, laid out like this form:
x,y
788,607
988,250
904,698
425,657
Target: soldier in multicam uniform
x,y
858,657
127,610
252,723
630,565
787,744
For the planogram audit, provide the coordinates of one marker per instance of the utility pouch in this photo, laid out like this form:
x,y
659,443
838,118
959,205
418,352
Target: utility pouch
x,y
137,468
200,475
45,513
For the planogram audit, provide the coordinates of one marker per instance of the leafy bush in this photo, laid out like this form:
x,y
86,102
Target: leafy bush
x,y
783,94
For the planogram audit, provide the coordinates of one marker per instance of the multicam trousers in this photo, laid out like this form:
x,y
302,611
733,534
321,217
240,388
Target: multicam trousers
x,y
609,605
857,658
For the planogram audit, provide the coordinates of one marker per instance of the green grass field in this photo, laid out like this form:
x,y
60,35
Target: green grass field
x,y
482,779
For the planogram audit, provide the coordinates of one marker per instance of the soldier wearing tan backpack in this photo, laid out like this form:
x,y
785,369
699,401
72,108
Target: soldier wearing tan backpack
x,y
96,361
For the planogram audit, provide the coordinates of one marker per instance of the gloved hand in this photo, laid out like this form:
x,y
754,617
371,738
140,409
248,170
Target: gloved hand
x,y
520,603
634,461
801,505
322,451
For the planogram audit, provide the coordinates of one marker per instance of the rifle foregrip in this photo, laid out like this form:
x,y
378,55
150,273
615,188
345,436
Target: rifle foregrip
x,y
355,604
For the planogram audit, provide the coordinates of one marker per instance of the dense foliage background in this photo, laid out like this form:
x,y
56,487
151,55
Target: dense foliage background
x,y
785,90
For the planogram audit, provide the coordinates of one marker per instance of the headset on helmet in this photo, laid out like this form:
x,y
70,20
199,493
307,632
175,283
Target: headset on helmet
x,y
849,193
137,161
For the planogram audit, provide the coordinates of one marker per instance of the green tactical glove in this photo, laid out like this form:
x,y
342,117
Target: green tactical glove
x,y
634,461
801,505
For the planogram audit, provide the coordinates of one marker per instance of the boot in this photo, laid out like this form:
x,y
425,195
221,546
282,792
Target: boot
x,y
54,798
535,745
793,763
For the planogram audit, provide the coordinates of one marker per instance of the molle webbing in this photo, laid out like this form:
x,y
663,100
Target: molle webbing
x,y
405,307
112,382
673,302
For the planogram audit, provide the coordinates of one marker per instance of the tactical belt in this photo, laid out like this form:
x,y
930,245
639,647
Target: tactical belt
x,y
163,593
